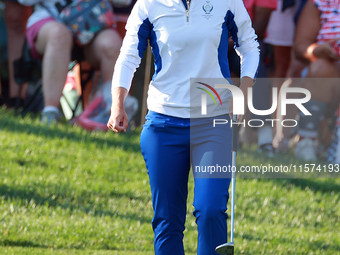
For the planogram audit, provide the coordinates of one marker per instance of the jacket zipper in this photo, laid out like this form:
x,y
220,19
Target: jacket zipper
x,y
188,4
187,9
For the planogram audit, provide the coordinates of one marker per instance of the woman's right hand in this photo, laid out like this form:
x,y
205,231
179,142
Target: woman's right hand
x,y
118,120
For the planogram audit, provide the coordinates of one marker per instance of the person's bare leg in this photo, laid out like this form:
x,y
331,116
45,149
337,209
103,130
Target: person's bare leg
x,y
281,60
16,16
103,52
282,56
295,67
291,112
321,69
322,82
294,71
54,42
281,63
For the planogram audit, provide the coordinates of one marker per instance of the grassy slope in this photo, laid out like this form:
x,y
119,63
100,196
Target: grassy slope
x,y
66,191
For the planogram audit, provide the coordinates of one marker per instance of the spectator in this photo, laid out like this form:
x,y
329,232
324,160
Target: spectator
x,y
280,34
16,16
259,11
2,100
317,44
52,42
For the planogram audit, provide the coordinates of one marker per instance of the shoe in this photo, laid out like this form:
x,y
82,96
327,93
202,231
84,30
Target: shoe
x,y
2,101
333,152
283,146
267,149
15,102
305,150
49,117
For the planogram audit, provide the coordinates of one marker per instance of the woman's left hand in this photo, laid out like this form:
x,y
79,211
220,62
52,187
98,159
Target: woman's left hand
x,y
246,82
118,120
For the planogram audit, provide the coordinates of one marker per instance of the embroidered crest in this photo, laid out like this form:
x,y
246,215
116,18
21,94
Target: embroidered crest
x,y
207,7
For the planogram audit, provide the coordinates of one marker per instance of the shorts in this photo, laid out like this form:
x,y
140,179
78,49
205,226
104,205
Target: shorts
x,y
32,34
281,27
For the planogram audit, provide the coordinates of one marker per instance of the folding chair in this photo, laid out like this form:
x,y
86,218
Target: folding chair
x,y
28,69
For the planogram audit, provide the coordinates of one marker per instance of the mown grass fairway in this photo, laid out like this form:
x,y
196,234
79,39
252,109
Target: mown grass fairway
x,y
67,191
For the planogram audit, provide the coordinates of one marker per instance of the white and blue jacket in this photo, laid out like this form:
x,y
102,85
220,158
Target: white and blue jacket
x,y
187,42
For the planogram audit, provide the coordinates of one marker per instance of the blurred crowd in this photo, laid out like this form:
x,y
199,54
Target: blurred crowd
x,y
300,47
299,41
51,43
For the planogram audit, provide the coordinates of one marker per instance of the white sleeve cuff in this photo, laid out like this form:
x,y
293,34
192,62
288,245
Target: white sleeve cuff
x,y
250,63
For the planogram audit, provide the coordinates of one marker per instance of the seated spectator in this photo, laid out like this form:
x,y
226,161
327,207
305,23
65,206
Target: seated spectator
x,y
317,44
16,16
52,42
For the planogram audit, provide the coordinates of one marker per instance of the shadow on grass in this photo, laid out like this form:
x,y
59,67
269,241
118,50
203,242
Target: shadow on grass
x,y
21,243
73,204
53,132
316,246
319,245
316,185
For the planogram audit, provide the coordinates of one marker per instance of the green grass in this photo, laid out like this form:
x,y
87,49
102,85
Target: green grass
x,y
67,191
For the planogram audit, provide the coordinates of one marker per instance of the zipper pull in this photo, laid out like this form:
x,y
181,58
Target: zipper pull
x,y
188,6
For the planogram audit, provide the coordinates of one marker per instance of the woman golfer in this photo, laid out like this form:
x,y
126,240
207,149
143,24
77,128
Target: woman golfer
x,y
189,41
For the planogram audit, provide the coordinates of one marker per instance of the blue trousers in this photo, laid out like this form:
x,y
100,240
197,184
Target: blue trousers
x,y
170,146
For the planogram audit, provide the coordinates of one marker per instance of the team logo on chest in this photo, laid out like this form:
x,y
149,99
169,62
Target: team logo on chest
x,y
207,8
